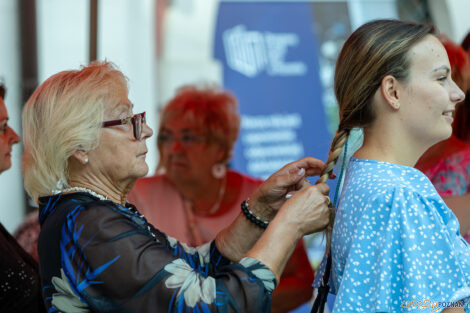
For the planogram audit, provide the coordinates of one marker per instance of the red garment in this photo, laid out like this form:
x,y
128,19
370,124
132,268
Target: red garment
x,y
164,207
27,234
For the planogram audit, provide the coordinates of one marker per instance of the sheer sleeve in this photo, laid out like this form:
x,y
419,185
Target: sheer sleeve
x,y
111,262
407,248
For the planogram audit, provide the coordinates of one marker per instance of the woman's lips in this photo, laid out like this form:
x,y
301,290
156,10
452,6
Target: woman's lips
x,y
178,164
449,115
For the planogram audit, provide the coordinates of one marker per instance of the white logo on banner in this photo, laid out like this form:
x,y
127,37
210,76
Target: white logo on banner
x,y
251,52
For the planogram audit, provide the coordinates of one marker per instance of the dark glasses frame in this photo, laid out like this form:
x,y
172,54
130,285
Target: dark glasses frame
x,y
136,120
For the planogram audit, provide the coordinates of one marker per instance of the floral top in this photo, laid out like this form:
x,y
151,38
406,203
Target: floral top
x,y
450,174
394,240
154,195
103,257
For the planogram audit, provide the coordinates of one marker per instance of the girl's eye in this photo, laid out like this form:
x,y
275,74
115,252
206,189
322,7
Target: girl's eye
x,y
442,78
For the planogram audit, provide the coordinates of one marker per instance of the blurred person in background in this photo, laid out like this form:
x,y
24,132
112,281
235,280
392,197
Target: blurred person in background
x,y
27,234
466,43
195,195
462,114
20,289
447,163
84,150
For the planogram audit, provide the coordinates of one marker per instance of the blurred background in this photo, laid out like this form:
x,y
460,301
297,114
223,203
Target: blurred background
x,y
276,56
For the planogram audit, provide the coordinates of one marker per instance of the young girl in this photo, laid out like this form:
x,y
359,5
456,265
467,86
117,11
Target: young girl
x,y
396,246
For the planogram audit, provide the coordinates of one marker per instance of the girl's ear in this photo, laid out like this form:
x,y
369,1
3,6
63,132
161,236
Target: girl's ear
x,y
390,91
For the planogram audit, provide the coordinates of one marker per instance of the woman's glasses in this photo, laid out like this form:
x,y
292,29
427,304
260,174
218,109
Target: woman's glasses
x,y
185,140
137,120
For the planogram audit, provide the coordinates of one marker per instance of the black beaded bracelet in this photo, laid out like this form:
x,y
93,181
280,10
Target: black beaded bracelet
x,y
252,217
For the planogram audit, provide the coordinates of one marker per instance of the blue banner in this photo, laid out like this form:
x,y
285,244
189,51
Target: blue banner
x,y
270,61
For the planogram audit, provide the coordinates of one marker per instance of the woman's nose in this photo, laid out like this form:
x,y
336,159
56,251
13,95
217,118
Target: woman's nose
x,y
456,94
147,131
175,145
13,136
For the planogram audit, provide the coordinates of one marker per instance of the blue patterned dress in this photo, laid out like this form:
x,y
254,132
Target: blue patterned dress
x,y
99,256
396,246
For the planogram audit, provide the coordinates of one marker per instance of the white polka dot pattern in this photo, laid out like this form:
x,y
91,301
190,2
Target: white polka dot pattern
x,y
395,240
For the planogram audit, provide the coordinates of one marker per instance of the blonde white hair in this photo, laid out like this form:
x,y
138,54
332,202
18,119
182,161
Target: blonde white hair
x,y
65,114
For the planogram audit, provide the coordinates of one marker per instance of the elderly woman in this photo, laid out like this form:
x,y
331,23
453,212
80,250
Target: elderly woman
x,y
195,196
20,289
84,150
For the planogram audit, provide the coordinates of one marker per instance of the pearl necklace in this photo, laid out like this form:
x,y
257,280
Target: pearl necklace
x,y
104,198
220,196
83,189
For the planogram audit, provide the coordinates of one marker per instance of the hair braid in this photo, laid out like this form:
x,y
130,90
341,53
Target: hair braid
x,y
337,146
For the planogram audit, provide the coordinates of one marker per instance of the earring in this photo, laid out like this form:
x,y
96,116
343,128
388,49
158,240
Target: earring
x,y
219,170
395,105
85,160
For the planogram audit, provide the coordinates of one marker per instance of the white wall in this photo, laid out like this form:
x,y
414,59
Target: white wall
x,y
451,17
187,49
11,182
459,10
62,35
126,36
362,11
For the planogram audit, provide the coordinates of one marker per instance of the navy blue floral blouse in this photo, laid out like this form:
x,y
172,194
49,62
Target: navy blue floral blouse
x,y
100,256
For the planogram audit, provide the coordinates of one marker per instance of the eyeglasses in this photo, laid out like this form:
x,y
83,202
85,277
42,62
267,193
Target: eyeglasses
x,y
137,120
185,140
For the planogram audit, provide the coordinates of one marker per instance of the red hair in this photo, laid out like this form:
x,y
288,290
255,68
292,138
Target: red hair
x,y
211,109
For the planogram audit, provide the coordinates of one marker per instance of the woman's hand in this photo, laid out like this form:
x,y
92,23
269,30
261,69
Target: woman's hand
x,y
238,238
307,210
271,195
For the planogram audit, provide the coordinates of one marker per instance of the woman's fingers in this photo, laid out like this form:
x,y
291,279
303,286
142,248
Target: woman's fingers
x,y
271,195
308,208
323,188
311,165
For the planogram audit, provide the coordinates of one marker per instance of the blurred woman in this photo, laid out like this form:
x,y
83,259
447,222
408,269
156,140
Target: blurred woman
x,y
84,150
461,124
197,196
396,246
20,289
